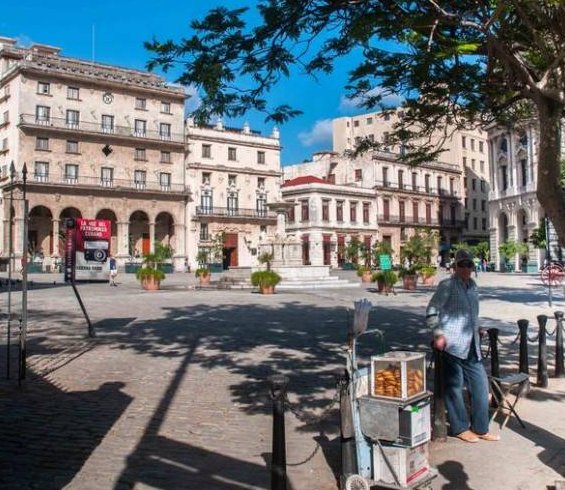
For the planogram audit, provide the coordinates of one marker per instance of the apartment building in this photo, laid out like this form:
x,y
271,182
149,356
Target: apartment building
x,y
394,200
513,206
327,215
235,175
467,149
97,141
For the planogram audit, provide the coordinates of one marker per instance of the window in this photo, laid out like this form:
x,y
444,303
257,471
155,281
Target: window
x,y
369,120
71,146
140,103
204,233
5,118
452,186
465,182
107,123
304,210
291,215
165,181
41,172
464,162
71,173
474,204
353,212
165,156
261,206
232,154
482,166
42,114
206,178
371,137
106,177
473,163
504,145
165,107
414,181
331,179
504,176
428,214
401,179
387,116
484,224
325,210
466,203
206,151
366,212
261,183
232,180
233,204
472,144
474,184
439,188
140,179
402,211
386,210
165,131
140,128
72,118
4,144
339,211
463,141
524,171
261,157
358,175
385,176
474,223
43,88
206,202
483,205
73,93
355,124
42,143
427,183
140,154
483,185
481,146
415,211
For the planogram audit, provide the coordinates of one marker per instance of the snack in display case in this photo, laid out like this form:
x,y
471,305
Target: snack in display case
x,y
398,375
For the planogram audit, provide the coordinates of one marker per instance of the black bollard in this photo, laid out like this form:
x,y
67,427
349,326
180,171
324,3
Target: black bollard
x,y
542,380
278,457
559,369
524,364
493,342
347,432
439,423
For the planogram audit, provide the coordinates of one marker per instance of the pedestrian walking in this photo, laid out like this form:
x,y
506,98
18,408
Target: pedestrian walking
x,y
453,313
477,265
113,271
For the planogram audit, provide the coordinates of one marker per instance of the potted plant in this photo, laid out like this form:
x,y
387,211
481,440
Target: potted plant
x,y
352,251
385,280
365,273
508,252
427,273
265,281
149,275
265,258
409,277
203,272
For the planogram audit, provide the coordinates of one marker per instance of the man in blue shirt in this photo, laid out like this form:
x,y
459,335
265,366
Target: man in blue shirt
x,y
453,313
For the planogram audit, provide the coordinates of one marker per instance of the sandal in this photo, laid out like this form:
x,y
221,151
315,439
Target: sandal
x,y
489,437
468,436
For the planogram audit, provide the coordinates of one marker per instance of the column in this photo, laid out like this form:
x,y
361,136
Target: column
x,y
55,225
179,247
123,239
152,237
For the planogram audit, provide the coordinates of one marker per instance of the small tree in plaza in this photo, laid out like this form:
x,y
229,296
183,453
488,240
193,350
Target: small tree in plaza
x,y
381,248
509,249
418,249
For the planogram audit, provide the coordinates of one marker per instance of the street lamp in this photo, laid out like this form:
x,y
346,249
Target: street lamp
x,y
10,262
23,332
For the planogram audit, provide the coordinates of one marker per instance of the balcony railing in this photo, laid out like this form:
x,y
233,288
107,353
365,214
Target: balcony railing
x,y
108,130
419,221
214,211
433,191
106,183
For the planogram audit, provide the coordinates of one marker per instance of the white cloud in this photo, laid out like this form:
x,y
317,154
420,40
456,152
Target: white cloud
x,y
320,133
354,104
193,101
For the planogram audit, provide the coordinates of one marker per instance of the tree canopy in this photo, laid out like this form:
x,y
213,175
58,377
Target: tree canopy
x,y
455,64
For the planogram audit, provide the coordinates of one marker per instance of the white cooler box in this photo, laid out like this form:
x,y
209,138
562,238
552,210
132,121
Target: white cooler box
x,y
409,464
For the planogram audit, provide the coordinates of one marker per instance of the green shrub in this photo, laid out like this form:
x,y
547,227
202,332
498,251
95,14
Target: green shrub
x,y
388,277
147,272
428,271
407,271
362,269
201,272
265,278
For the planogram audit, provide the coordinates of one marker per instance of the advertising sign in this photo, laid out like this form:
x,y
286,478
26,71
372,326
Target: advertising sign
x,y
91,247
385,264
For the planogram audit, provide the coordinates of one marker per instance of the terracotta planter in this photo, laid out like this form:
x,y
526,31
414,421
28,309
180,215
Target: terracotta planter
x,y
266,289
409,282
151,284
428,280
205,280
366,277
382,287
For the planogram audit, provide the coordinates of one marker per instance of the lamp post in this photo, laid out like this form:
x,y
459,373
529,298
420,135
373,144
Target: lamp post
x,y
10,261
23,332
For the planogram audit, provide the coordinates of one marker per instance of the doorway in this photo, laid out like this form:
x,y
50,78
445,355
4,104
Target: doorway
x,y
230,251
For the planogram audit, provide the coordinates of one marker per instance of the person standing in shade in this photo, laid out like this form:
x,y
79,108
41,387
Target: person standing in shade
x,y
453,314
113,270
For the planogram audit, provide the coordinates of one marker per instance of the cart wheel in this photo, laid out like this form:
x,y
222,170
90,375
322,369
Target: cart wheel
x,y
356,482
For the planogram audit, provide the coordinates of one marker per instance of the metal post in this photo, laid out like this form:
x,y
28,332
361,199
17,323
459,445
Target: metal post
x,y
559,368
493,342
10,265
23,330
439,422
278,457
347,432
524,363
542,353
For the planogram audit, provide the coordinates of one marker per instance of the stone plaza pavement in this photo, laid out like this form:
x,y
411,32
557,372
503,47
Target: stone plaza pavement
x,y
173,392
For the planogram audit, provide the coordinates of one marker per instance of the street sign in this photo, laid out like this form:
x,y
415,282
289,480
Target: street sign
x,y
385,264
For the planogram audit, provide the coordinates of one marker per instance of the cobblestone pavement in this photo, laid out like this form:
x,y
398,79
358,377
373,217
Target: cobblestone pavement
x,y
173,391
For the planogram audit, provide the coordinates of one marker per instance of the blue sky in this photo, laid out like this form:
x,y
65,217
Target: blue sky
x,y
121,27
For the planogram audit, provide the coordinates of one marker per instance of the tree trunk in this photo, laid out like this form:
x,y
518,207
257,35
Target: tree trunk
x,y
549,191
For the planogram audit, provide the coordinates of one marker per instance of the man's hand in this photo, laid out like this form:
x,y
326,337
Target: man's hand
x,y
439,342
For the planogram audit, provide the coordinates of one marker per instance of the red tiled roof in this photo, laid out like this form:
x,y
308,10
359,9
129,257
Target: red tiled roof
x,y
305,179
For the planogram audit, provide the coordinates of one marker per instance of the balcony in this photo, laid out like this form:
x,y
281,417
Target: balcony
x,y
129,132
211,213
419,189
419,221
72,180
